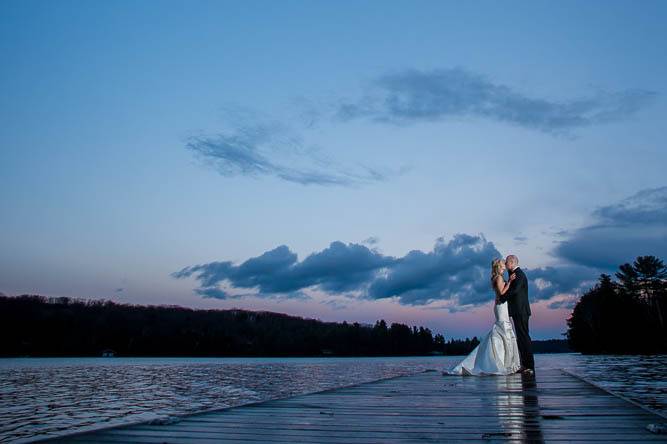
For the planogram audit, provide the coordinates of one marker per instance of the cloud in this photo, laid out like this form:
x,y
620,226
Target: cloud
x,y
620,232
250,151
338,268
563,303
547,282
645,207
119,290
617,234
256,146
455,271
371,240
414,96
213,292
336,303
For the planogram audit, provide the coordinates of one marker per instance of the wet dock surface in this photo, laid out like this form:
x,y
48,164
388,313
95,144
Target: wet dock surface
x,y
554,406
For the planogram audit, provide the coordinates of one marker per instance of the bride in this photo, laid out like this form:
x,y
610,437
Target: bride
x,y
498,353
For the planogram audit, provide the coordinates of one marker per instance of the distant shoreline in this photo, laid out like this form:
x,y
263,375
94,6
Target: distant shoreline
x,y
256,356
37,326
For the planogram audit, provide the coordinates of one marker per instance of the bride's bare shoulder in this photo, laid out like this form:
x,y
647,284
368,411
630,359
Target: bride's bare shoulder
x,y
498,282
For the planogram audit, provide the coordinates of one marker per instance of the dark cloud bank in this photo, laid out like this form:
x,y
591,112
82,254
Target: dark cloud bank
x,y
455,271
620,232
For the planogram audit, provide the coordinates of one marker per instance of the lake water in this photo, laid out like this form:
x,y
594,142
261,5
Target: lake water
x,y
41,398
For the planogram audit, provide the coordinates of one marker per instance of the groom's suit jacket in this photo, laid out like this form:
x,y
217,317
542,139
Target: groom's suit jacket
x,y
517,295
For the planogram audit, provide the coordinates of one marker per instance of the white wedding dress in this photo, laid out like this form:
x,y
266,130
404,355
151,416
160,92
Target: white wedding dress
x,y
497,354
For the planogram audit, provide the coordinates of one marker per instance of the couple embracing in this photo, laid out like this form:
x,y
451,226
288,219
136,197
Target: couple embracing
x,y
506,348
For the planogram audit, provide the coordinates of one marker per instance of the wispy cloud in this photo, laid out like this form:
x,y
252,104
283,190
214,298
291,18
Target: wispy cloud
x,y
566,302
415,96
251,151
255,146
371,240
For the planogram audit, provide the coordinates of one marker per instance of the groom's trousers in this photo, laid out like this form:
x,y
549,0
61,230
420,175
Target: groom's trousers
x,y
524,342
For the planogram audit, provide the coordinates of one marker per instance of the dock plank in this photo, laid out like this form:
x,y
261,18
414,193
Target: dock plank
x,y
426,407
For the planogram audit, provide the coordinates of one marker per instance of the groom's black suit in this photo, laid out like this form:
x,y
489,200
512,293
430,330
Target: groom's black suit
x,y
519,310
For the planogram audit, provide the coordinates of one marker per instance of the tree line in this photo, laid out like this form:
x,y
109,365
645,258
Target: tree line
x,y
40,326
33,325
623,315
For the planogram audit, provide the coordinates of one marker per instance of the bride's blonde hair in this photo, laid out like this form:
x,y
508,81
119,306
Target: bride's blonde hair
x,y
496,268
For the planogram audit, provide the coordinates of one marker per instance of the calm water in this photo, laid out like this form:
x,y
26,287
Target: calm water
x,y
46,397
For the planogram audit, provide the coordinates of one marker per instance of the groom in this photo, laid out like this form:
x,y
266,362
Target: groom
x,y
519,311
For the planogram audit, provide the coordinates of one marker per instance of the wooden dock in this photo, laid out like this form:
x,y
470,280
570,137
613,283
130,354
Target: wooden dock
x,y
555,406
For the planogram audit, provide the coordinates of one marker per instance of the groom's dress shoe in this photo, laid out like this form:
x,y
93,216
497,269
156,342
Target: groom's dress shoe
x,y
528,372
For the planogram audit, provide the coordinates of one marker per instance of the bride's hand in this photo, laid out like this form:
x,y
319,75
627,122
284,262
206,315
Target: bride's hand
x,y
512,277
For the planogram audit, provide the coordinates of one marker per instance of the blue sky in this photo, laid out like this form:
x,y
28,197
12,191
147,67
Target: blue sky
x,y
338,160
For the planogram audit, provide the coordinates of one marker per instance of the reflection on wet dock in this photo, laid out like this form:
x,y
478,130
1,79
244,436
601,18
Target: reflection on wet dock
x,y
426,407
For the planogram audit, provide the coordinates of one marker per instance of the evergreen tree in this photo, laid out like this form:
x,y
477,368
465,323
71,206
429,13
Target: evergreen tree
x,y
627,316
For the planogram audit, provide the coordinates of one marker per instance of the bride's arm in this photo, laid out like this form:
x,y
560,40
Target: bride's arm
x,y
502,286
498,285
